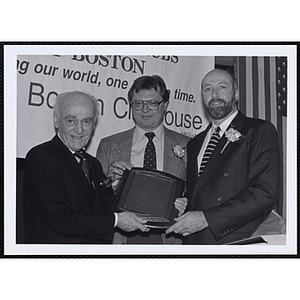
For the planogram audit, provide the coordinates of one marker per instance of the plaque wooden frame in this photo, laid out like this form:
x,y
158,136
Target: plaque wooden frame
x,y
151,195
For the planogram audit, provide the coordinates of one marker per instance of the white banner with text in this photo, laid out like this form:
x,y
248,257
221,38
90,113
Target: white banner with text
x,y
107,77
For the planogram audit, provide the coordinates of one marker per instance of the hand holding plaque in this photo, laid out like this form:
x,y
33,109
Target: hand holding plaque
x,y
151,195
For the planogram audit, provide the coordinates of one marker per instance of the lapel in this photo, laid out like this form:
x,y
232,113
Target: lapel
x,y
99,180
73,168
123,146
219,154
195,149
170,162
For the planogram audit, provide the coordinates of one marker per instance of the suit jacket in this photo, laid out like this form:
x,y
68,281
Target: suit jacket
x,y
60,204
238,186
118,148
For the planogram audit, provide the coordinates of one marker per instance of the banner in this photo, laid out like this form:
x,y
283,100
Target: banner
x,y
40,78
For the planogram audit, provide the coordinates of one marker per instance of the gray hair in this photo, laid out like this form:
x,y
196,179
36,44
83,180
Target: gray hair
x,y
74,94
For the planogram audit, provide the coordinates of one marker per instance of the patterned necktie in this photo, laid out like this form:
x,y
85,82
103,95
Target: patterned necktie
x,y
212,144
150,154
84,163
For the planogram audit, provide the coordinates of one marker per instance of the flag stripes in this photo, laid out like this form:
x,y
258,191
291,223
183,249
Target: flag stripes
x,y
242,83
273,91
262,85
255,86
267,88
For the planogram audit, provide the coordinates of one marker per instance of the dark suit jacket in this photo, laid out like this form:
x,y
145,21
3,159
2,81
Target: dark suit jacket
x,y
60,205
238,186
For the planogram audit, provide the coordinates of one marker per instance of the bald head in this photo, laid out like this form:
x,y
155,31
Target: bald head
x,y
219,94
219,73
75,115
72,98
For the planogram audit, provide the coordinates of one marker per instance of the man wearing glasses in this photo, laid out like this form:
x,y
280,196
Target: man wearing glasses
x,y
149,99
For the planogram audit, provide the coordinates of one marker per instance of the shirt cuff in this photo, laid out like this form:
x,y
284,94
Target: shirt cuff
x,y
116,219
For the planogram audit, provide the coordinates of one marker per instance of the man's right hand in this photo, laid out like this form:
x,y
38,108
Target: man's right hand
x,y
116,171
130,222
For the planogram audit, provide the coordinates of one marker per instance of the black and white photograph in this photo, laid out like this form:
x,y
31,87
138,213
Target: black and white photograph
x,y
150,149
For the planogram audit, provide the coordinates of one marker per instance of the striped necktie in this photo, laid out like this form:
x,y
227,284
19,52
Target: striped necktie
x,y
85,166
150,153
212,144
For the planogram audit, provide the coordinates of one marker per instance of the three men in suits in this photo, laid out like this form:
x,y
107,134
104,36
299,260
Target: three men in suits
x,y
239,178
149,99
67,198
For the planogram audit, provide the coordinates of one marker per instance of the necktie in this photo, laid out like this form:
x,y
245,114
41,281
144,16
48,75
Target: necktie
x,y
84,163
213,142
150,154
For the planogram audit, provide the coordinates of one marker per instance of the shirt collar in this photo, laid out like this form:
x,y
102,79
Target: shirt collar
x,y
139,133
223,126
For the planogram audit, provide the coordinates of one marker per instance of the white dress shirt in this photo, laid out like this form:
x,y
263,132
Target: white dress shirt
x,y
223,127
139,143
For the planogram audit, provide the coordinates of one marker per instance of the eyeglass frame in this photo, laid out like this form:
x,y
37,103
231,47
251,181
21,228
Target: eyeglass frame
x,y
146,103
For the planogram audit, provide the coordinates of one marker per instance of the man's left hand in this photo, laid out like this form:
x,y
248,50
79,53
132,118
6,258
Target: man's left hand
x,y
189,223
180,204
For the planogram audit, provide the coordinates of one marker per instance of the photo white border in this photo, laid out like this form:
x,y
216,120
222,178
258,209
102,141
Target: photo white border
x,y
10,129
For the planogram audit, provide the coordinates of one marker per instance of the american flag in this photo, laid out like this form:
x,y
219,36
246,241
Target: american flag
x,y
281,85
262,85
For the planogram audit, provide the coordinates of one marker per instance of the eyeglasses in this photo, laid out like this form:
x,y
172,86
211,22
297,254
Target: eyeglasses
x,y
152,104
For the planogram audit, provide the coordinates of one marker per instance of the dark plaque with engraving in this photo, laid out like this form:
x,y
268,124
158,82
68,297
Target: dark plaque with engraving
x,y
151,195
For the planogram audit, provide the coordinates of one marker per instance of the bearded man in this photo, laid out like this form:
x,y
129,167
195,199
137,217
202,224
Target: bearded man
x,y
232,169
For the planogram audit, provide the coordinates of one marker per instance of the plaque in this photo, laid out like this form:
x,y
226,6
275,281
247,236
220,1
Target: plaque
x,y
150,195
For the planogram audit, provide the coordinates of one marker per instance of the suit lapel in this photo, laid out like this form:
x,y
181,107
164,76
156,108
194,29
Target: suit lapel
x,y
222,150
193,152
73,167
98,178
123,148
214,161
171,162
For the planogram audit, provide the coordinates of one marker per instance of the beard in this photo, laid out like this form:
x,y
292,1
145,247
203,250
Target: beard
x,y
220,111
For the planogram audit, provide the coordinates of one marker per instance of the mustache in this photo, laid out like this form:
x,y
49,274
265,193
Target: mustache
x,y
216,100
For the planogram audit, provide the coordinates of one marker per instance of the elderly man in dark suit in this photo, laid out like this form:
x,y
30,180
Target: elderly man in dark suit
x,y
149,99
67,198
232,172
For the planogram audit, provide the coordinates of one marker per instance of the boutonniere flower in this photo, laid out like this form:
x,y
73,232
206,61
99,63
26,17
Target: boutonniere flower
x,y
233,136
179,151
